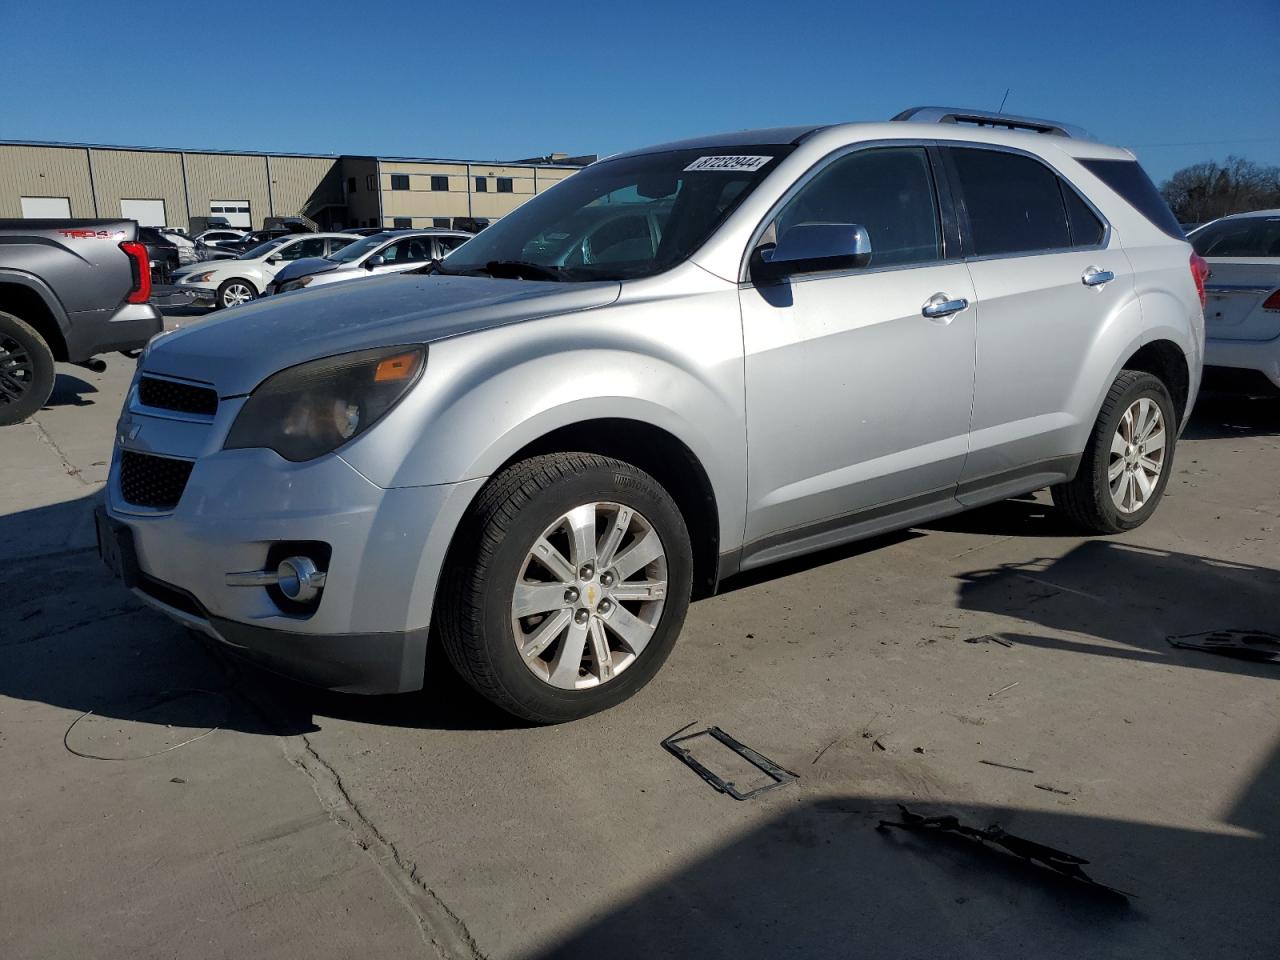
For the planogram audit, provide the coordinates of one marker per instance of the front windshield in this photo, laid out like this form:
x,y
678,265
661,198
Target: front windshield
x,y
354,251
619,219
262,249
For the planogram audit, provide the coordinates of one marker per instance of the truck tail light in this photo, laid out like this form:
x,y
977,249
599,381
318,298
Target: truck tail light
x,y
138,260
1200,273
1272,302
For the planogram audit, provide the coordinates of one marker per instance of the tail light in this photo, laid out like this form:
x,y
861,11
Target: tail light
x,y
141,264
1272,302
1200,272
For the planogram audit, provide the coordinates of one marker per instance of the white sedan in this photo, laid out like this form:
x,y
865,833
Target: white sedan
x,y
227,283
1242,310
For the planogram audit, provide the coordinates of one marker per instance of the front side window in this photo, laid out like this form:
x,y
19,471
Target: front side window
x,y
399,181
1014,203
888,191
408,250
620,219
1246,237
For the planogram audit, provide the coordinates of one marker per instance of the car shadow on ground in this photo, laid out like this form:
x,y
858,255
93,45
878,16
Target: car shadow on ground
x,y
1220,416
70,391
1121,600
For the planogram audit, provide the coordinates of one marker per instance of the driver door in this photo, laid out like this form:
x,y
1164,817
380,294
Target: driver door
x,y
857,403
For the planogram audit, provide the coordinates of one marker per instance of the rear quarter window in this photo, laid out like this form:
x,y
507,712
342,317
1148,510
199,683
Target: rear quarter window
x,y
1127,178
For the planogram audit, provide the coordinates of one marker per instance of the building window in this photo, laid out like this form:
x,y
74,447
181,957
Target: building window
x,y
439,183
482,184
351,184
440,222
399,181
504,185
402,223
369,184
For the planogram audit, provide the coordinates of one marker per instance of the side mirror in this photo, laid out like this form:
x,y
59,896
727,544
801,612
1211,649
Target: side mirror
x,y
376,260
812,248
274,258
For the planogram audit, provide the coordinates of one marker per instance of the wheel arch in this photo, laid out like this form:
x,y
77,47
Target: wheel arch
x,y
662,455
1166,361
28,303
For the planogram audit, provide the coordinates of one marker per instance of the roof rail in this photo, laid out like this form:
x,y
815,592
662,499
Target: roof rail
x,y
989,118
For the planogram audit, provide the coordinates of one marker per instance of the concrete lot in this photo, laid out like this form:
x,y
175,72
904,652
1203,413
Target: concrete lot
x,y
312,825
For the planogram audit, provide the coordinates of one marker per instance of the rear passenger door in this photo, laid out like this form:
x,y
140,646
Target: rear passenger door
x,y
1047,275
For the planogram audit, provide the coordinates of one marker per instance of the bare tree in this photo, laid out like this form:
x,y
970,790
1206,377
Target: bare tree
x,y
1205,191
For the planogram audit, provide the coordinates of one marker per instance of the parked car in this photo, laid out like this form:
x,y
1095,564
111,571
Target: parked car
x,y
843,330
229,283
1242,316
162,253
251,240
211,237
186,246
390,251
70,290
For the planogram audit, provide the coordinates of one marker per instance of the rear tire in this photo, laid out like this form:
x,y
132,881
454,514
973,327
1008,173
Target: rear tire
x,y
1116,488
26,370
234,292
625,621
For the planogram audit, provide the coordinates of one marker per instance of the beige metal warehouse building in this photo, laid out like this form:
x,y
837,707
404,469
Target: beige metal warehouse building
x,y
161,187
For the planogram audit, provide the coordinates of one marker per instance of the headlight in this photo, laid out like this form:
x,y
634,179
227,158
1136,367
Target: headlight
x,y
312,409
296,284
198,277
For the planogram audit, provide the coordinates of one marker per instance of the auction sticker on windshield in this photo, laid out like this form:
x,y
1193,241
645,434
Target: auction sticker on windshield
x,y
750,164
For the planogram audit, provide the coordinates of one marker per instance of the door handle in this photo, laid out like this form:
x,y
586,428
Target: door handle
x,y
1096,277
940,306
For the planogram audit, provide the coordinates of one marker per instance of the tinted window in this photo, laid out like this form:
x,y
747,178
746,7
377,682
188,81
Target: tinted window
x,y
889,191
1246,237
449,243
399,181
311,247
1129,180
339,243
1013,203
408,250
439,183
1086,229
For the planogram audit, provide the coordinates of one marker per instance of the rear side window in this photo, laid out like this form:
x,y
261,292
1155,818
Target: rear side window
x,y
1014,203
1246,237
1086,229
1129,180
887,191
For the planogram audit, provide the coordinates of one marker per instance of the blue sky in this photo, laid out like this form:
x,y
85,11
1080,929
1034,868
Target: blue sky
x,y
1178,81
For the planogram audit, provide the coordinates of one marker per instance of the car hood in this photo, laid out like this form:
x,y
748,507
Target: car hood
x,y
244,345
306,267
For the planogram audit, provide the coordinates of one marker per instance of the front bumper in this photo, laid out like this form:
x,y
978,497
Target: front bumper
x,y
1260,355
368,633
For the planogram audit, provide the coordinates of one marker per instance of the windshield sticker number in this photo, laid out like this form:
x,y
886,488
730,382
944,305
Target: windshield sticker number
x,y
728,164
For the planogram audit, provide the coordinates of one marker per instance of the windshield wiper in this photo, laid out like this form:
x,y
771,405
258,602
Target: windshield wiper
x,y
523,270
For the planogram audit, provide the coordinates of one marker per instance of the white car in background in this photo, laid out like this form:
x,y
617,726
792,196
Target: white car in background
x,y
1242,312
228,283
389,251
219,235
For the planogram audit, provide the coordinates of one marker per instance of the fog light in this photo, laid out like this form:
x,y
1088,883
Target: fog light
x,y
298,579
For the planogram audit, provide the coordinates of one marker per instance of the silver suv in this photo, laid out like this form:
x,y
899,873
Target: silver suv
x,y
680,363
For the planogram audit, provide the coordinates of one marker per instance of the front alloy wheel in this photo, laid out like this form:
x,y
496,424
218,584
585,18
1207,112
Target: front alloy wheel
x,y
235,292
566,586
586,604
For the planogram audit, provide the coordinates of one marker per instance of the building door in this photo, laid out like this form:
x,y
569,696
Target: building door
x,y
148,213
46,208
236,212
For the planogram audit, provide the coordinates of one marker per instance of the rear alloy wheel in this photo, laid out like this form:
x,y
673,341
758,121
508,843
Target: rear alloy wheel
x,y
567,586
26,370
1126,465
234,292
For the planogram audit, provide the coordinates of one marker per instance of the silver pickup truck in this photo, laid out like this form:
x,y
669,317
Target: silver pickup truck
x,y
70,290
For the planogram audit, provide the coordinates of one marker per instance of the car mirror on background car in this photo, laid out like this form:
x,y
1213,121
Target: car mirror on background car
x,y
376,260
812,248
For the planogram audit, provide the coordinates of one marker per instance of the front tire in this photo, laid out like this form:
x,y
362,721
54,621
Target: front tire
x,y
567,586
1127,462
234,292
26,370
